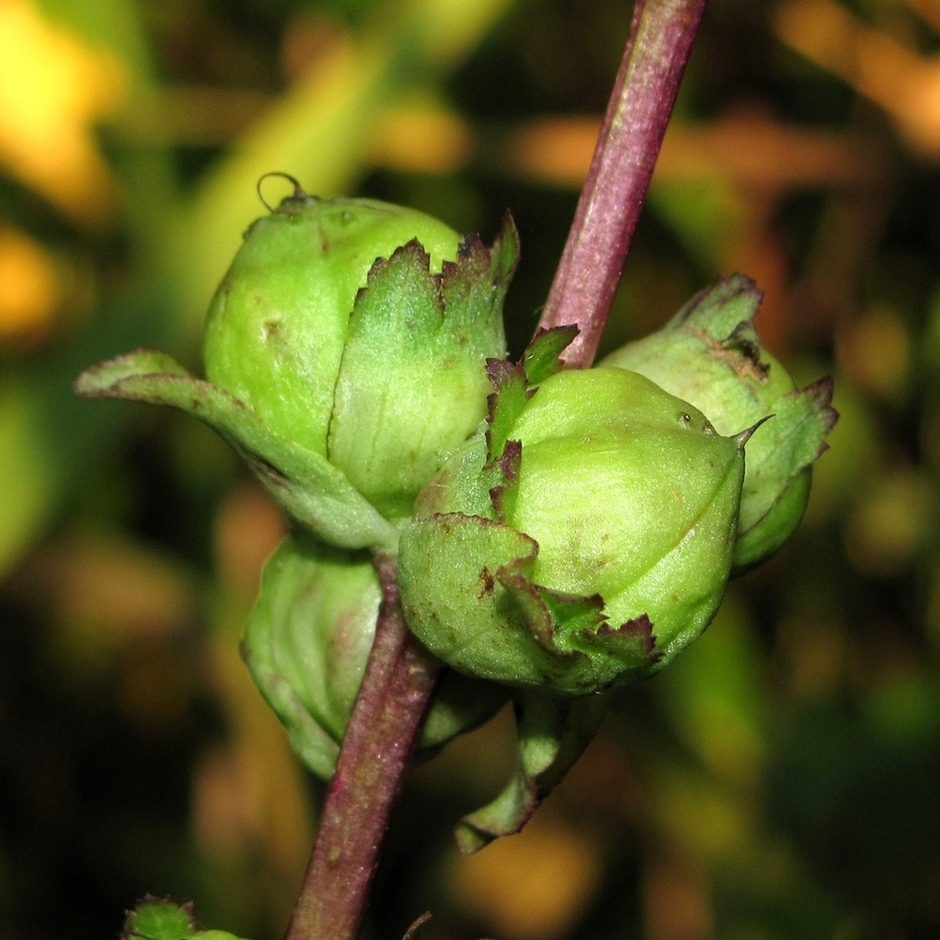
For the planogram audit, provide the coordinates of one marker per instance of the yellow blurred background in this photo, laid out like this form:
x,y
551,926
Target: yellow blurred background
x,y
782,779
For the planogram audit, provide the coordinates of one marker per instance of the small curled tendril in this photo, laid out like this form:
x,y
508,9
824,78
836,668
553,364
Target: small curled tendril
x,y
299,192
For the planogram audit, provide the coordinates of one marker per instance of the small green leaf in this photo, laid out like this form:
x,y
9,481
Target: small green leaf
x,y
552,735
308,487
541,358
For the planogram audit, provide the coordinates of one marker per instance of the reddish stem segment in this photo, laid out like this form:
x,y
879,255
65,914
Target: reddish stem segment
x,y
639,109
383,728
401,675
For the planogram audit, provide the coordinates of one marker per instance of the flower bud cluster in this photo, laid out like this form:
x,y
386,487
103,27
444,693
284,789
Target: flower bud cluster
x,y
559,533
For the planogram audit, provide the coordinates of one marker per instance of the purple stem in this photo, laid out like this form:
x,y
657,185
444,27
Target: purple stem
x,y
383,728
637,114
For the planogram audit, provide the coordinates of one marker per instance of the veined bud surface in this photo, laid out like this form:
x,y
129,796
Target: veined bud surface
x,y
359,330
579,540
709,354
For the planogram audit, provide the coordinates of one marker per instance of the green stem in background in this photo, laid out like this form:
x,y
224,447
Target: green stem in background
x,y
396,690
640,105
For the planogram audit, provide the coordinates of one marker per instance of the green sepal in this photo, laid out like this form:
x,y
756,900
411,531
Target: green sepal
x,y
724,312
416,337
475,285
310,489
464,483
476,572
473,481
796,438
514,383
504,404
583,626
504,476
457,558
542,357
158,919
587,651
552,735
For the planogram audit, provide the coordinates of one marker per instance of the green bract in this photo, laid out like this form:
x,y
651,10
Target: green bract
x,y
307,643
710,355
581,539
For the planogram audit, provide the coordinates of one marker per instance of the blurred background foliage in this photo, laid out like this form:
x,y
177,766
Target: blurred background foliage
x,y
782,779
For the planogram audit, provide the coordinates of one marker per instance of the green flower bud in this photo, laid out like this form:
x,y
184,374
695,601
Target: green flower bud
x,y
709,354
307,644
380,381
581,539
340,367
278,323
